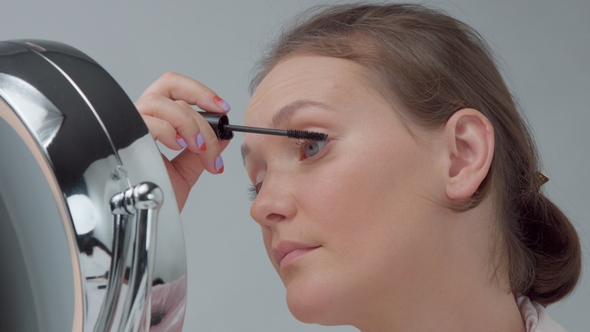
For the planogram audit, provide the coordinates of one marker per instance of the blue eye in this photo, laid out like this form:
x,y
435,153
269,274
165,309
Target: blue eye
x,y
311,148
306,149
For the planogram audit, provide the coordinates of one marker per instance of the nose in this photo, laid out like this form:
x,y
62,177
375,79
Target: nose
x,y
275,202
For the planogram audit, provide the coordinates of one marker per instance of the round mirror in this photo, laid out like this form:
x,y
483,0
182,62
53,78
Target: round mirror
x,y
90,234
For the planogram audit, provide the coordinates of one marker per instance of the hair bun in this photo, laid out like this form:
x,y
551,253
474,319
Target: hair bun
x,y
555,246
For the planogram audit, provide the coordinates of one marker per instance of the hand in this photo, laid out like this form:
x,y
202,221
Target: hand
x,y
166,109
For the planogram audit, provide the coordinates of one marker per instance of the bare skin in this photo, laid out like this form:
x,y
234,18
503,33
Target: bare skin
x,y
380,250
166,109
356,227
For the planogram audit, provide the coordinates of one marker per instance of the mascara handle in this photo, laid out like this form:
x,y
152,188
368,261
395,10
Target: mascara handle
x,y
218,122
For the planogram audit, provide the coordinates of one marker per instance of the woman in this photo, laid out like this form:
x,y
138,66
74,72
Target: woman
x,y
422,210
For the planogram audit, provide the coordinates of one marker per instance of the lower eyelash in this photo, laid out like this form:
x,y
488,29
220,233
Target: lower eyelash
x,y
298,144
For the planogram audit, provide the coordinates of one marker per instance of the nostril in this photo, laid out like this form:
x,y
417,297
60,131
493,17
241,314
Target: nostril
x,y
275,217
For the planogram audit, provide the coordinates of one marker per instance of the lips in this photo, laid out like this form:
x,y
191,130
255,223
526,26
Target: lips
x,y
286,251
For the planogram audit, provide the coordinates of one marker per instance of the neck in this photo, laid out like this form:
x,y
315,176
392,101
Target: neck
x,y
458,291
461,312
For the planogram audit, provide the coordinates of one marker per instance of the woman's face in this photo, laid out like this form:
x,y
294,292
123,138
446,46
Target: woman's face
x,y
350,224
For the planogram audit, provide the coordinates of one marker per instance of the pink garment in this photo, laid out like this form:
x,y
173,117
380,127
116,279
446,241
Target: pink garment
x,y
536,318
170,300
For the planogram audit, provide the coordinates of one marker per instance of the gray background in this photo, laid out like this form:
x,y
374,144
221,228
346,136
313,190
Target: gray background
x,y
545,47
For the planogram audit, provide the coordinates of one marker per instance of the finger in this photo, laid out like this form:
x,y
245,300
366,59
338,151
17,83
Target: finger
x,y
195,132
189,165
179,87
164,132
209,146
180,116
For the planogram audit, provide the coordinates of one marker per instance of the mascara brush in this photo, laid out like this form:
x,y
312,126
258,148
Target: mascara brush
x,y
224,131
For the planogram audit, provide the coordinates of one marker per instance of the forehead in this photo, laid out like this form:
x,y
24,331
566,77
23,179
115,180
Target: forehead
x,y
303,77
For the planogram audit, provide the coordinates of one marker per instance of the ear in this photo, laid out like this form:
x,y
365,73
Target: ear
x,y
469,137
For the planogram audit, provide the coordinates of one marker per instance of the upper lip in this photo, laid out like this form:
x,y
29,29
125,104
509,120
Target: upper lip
x,y
285,247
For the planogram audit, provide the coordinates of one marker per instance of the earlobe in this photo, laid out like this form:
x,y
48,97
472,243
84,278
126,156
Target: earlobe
x,y
470,141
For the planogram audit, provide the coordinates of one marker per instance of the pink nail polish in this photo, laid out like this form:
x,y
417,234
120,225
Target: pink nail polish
x,y
222,103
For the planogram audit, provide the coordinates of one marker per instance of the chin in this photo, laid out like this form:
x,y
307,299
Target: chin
x,y
305,312
314,303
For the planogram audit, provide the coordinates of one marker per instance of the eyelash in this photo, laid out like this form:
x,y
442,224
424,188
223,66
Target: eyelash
x,y
298,145
253,190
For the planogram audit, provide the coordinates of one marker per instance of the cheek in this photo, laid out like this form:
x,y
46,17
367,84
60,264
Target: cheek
x,y
369,203
361,181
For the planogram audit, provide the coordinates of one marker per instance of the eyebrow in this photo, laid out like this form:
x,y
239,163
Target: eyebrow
x,y
284,114
245,150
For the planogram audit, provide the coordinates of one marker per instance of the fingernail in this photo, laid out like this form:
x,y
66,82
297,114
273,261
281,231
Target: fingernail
x,y
201,142
180,141
222,103
219,164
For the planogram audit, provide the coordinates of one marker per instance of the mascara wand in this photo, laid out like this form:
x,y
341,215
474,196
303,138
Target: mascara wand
x,y
224,131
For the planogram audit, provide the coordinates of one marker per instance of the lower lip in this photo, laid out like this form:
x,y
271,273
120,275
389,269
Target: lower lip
x,y
291,257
